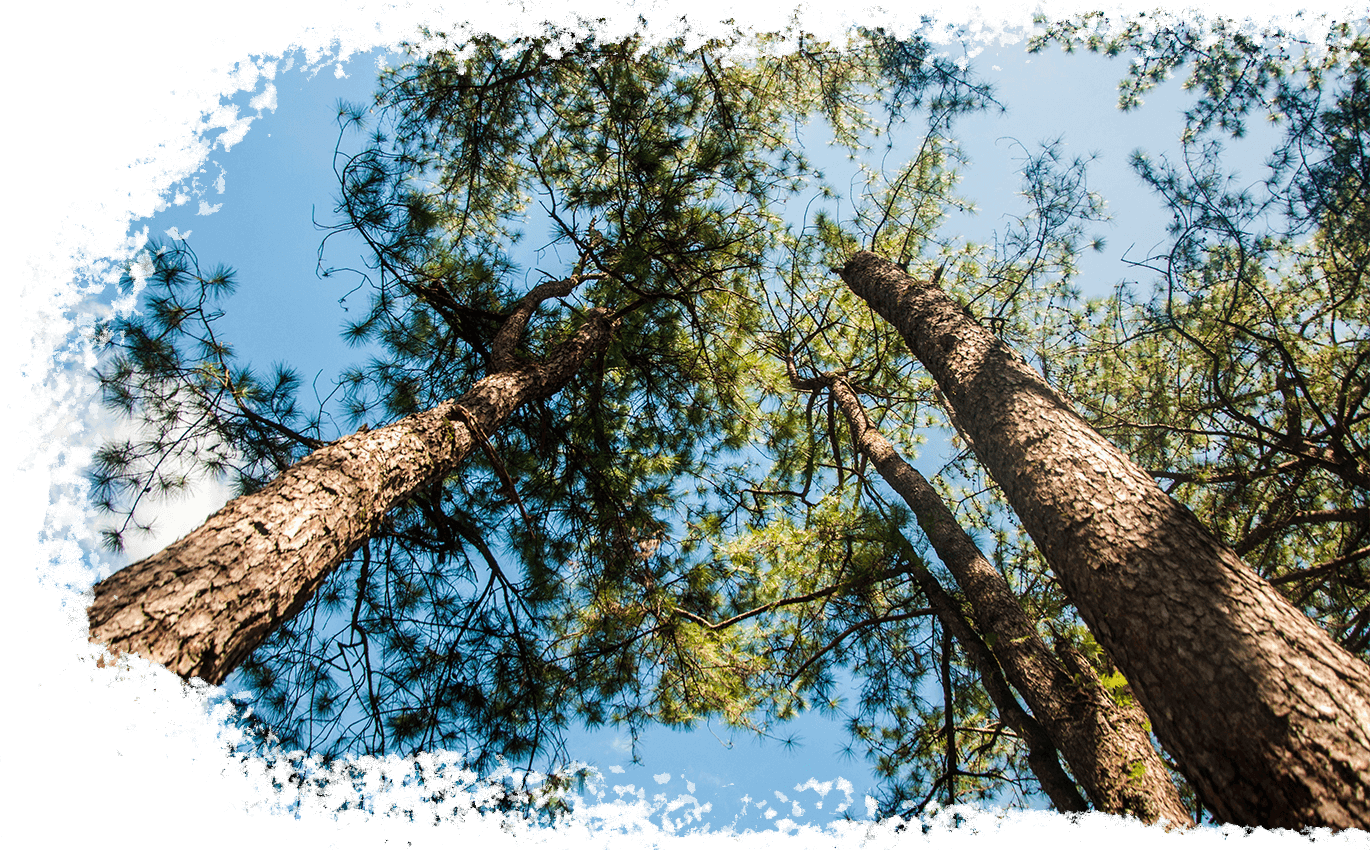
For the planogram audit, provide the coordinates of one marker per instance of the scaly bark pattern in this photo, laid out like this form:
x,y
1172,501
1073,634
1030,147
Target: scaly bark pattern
x,y
1267,716
202,604
1109,751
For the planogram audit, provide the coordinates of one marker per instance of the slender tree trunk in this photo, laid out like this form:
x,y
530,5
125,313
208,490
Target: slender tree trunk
x,y
1108,749
1041,749
204,603
1267,716
949,718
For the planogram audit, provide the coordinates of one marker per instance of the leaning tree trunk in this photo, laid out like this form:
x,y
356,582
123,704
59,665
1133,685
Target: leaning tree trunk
x,y
204,603
1267,716
1041,748
1107,748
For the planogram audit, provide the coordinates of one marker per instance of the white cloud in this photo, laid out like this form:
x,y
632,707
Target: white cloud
x,y
712,779
207,209
662,778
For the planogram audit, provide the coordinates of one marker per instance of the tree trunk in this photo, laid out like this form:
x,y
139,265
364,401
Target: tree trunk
x,y
204,603
1041,749
1109,751
1266,715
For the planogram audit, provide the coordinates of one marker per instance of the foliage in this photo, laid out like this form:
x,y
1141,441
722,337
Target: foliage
x,y
483,617
878,665
201,414
680,533
1240,380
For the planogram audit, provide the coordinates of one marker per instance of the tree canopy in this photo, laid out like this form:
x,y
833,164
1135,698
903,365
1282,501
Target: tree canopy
x,y
686,525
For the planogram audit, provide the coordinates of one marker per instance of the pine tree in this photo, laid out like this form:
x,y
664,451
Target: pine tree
x,y
1263,711
204,603
594,497
659,170
1106,745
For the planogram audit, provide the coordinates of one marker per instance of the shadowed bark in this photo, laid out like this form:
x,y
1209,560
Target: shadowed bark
x,y
1266,715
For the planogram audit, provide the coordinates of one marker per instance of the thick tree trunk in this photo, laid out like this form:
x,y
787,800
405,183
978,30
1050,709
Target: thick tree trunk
x,y
1108,749
1266,715
201,605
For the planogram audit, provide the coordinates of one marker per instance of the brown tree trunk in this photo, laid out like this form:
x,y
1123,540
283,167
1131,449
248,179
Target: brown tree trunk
x,y
1267,716
204,603
1108,749
1041,749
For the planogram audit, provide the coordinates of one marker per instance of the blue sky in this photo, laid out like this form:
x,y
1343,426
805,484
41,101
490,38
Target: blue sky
x,y
254,207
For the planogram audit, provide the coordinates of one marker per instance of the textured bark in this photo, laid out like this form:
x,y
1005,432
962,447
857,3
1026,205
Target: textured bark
x,y
1107,748
1267,716
202,604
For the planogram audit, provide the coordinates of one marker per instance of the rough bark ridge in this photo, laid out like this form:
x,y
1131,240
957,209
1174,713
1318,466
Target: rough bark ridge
x,y
1267,716
201,605
1109,750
